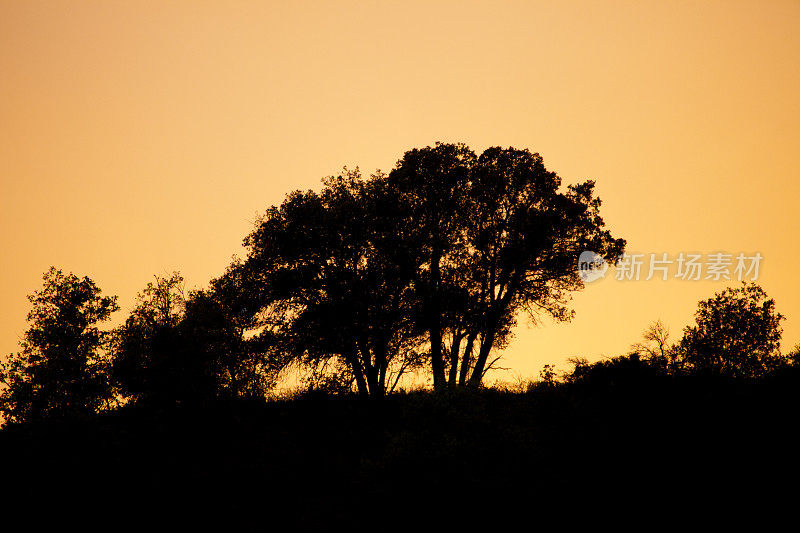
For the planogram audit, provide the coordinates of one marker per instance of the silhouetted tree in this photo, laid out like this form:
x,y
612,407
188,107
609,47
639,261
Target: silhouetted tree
x,y
656,348
179,349
491,236
548,379
62,369
432,186
324,278
148,353
433,261
737,334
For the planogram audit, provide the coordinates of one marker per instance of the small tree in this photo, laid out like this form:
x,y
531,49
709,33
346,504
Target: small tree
x,y
656,348
62,369
146,361
178,349
737,334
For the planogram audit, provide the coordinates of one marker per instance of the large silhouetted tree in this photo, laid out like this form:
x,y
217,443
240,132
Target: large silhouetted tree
x,y
491,236
433,261
62,368
432,186
737,334
326,280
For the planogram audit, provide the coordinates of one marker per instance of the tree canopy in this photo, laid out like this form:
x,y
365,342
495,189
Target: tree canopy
x,y
737,334
493,235
329,287
430,263
179,348
62,368
425,268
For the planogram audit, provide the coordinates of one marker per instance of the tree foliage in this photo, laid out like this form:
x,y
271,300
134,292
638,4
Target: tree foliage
x,y
493,236
737,334
432,262
327,283
372,278
62,369
147,348
175,348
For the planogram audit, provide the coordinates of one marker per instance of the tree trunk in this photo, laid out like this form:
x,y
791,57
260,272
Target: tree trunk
x,y
487,340
361,383
454,349
380,370
366,369
358,372
371,371
434,308
480,363
467,357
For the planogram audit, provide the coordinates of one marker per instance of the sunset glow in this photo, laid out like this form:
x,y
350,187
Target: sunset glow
x,y
141,138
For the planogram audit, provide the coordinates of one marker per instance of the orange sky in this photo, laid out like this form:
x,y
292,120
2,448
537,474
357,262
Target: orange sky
x,y
143,137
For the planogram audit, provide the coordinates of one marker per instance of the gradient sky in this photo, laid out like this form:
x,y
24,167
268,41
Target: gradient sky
x,y
138,138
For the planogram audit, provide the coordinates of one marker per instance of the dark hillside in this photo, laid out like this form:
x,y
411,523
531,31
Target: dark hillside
x,y
316,460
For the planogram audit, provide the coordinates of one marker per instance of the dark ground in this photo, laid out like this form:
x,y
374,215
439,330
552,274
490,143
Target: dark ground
x,y
625,441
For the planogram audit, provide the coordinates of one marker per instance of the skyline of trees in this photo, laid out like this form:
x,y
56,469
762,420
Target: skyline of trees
x,y
429,264
187,352
422,270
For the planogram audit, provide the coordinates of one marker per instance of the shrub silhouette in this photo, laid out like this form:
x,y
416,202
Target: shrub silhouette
x,y
737,334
